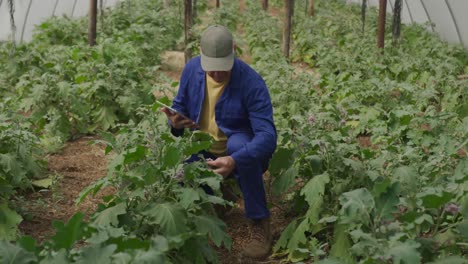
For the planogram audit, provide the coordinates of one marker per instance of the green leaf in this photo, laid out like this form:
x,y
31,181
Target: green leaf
x,y
96,254
341,244
461,171
196,147
10,165
299,235
436,200
109,216
105,116
450,260
282,159
387,202
59,258
67,235
43,183
170,217
13,254
463,229
356,206
285,236
284,180
9,221
187,196
405,253
313,192
214,228
408,176
135,154
171,157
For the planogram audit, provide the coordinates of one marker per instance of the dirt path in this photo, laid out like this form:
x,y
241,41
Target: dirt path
x,y
76,166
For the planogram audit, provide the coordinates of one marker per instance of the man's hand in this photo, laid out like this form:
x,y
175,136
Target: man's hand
x,y
222,165
178,121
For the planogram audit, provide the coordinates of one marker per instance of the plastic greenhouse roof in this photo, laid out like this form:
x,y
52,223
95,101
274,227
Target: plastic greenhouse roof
x,y
31,12
446,17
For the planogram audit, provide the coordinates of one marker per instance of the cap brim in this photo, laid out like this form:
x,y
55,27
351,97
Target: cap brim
x,y
217,64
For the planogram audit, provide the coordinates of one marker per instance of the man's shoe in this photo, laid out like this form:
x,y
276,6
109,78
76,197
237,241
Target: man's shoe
x,y
260,243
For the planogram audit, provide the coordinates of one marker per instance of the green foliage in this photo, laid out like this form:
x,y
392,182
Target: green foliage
x,y
373,140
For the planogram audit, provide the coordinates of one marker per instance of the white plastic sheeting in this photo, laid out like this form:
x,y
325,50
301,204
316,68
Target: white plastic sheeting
x,y
29,13
449,18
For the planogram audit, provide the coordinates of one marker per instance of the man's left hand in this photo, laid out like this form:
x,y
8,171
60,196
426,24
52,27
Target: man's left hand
x,y
222,165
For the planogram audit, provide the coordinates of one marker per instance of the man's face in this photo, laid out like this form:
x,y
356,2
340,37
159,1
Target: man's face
x,y
219,76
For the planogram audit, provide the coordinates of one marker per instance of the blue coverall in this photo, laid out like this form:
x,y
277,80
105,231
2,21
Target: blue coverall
x,y
245,115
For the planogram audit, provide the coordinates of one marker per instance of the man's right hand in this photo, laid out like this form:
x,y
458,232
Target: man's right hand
x,y
178,121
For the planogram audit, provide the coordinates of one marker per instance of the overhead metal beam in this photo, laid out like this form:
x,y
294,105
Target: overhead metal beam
x,y
454,22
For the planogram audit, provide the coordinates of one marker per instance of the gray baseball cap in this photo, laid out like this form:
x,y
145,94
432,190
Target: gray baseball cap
x,y
217,49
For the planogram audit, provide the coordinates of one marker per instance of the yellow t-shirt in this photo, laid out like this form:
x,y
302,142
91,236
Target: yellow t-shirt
x,y
213,91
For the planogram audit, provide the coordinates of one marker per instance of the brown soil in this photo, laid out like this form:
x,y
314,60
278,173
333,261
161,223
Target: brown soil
x,y
75,167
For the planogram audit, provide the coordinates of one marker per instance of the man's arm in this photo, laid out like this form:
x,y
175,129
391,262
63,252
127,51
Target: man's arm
x,y
260,113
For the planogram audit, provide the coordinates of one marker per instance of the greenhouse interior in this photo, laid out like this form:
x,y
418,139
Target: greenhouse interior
x,y
249,131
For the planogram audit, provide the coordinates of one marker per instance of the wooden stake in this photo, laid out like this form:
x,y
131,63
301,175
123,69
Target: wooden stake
x,y
265,5
188,21
381,27
92,22
289,6
311,8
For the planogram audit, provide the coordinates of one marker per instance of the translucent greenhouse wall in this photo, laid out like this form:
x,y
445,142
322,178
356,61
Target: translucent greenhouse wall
x,y
31,12
449,18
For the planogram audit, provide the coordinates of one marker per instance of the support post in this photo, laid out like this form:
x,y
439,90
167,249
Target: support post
x,y
381,26
92,22
188,29
265,5
289,6
311,8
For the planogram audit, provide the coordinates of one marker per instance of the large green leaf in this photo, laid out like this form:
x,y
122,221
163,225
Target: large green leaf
x,y
461,171
281,160
285,236
106,117
451,260
170,217
187,196
67,234
436,200
109,216
284,180
9,221
96,254
386,203
408,176
13,254
171,157
214,228
313,192
10,165
405,253
357,206
299,235
340,248
135,154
